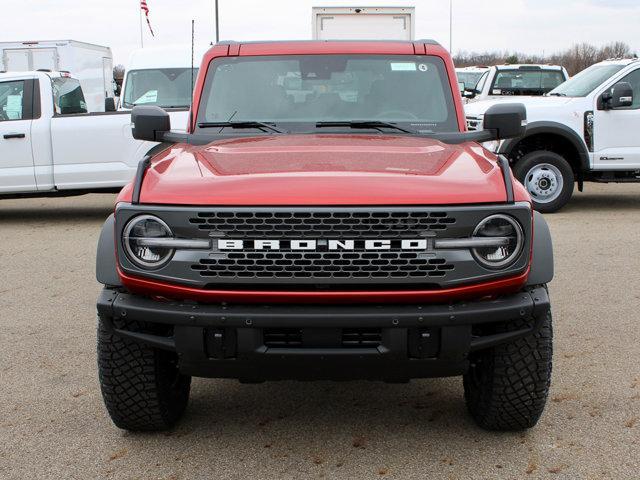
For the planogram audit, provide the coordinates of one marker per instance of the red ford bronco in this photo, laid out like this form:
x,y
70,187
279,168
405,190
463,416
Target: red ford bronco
x,y
326,215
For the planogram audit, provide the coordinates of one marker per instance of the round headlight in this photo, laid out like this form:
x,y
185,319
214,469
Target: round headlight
x,y
500,227
138,238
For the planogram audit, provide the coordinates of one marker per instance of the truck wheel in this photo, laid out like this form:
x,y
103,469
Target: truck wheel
x,y
141,386
506,387
548,178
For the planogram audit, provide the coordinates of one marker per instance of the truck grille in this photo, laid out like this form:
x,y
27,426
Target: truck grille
x,y
326,265
474,124
345,247
322,224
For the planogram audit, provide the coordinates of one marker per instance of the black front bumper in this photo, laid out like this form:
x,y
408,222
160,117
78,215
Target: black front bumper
x,y
339,342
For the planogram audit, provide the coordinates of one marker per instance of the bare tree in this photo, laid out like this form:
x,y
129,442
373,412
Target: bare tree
x,y
118,76
576,58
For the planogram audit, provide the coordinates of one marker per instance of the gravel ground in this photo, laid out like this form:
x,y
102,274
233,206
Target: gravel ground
x,y
53,423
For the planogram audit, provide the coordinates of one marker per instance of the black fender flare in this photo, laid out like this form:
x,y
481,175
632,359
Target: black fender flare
x,y
106,263
542,255
554,128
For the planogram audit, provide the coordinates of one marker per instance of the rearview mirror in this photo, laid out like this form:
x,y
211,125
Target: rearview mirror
x,y
109,104
620,96
149,123
508,120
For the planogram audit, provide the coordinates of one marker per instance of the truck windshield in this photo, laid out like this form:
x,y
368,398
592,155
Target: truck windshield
x,y
586,81
164,87
413,92
526,82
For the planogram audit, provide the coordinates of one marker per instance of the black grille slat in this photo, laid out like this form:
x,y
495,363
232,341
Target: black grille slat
x,y
358,264
300,225
361,337
282,337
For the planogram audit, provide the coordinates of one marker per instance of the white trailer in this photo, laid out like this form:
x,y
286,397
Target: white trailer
x,y
91,64
363,23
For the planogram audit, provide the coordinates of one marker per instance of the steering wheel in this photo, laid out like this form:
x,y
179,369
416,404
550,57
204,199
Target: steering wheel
x,y
398,113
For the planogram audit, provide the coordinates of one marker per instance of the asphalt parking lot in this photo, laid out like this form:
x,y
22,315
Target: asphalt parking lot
x,y
53,424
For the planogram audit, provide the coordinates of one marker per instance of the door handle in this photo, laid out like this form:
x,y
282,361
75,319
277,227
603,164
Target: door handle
x,y
13,135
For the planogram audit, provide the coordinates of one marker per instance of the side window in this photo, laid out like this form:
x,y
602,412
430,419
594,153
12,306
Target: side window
x,y
634,79
67,96
12,100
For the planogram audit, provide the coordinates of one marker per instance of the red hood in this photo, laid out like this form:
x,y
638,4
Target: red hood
x,y
323,170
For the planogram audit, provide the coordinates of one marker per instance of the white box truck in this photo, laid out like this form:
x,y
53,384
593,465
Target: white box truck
x,y
363,23
91,64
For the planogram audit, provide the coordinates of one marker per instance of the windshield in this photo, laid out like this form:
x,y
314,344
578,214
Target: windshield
x,y
526,82
470,79
586,81
409,91
164,87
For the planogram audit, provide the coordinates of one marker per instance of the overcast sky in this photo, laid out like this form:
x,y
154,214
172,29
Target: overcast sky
x,y
531,26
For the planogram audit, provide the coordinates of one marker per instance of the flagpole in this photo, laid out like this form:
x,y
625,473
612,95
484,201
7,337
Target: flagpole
x,y
141,36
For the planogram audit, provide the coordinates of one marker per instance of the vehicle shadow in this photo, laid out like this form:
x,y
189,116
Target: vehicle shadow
x,y
324,415
39,214
603,202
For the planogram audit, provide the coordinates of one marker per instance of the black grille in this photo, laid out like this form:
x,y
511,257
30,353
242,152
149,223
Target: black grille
x,y
322,224
318,338
338,265
282,337
361,337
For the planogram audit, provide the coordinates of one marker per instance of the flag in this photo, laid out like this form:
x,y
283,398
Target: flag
x,y
145,9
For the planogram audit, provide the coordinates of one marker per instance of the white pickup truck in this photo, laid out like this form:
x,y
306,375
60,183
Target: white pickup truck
x,y
50,145
585,130
162,76
515,80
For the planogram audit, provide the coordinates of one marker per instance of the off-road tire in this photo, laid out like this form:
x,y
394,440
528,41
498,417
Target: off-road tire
x,y
530,160
506,387
141,386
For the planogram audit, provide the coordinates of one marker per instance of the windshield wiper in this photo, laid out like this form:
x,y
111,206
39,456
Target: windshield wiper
x,y
374,124
556,94
265,127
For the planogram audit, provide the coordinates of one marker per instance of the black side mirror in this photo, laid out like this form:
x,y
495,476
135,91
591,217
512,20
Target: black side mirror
x,y
508,120
150,123
109,104
620,96
470,93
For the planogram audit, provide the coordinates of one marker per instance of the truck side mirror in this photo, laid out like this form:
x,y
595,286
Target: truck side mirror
x,y
461,87
508,120
149,123
109,104
470,92
620,96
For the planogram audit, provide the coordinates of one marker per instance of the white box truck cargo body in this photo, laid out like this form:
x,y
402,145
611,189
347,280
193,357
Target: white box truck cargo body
x,y
91,64
363,23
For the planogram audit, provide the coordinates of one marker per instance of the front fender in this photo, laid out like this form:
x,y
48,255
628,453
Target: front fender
x,y
106,263
542,259
551,128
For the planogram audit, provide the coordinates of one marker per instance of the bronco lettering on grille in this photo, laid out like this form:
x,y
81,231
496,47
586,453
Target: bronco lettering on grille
x,y
324,245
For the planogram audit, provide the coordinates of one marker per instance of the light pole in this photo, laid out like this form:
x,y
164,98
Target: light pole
x,y
217,24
